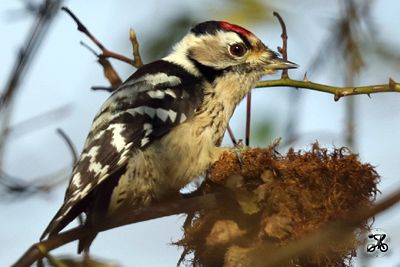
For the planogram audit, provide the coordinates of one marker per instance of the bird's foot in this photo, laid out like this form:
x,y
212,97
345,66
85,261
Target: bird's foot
x,y
239,149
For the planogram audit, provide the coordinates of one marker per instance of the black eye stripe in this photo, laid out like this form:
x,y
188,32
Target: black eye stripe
x,y
245,41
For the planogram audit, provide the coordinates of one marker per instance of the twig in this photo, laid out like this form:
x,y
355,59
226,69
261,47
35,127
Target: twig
x,y
108,70
338,92
45,15
248,118
331,232
102,88
187,205
18,187
70,145
231,135
135,47
37,122
283,49
105,52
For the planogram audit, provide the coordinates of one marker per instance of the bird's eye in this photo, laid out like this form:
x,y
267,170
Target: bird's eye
x,y
237,49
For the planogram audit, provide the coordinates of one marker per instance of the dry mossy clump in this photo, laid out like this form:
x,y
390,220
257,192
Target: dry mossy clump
x,y
277,200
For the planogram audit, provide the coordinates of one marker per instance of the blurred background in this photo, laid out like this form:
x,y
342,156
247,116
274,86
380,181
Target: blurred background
x,y
337,42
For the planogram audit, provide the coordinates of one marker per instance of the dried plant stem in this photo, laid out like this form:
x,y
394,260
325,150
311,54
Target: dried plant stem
x,y
248,119
105,52
283,50
135,45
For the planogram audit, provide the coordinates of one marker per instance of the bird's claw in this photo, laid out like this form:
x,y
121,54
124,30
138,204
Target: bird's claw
x,y
238,149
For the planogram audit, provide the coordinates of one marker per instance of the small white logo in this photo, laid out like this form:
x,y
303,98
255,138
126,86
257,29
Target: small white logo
x,y
377,243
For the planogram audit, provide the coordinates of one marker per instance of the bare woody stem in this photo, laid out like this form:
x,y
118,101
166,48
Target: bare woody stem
x,y
338,92
185,205
135,46
137,62
192,204
283,49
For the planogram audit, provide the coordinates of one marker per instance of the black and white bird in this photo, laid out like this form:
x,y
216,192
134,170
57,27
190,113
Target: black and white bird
x,y
163,126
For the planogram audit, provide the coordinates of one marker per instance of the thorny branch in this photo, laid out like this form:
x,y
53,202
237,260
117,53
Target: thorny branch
x,y
338,92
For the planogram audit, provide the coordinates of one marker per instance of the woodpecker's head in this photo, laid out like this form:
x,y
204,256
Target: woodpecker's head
x,y
218,46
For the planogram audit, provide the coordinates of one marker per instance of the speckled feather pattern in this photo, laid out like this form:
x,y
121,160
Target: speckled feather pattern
x,y
162,128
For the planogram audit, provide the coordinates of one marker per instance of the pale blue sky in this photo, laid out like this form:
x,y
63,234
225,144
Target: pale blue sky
x,y
63,72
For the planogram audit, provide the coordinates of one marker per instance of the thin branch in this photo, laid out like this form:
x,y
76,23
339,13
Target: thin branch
x,y
209,201
70,145
37,122
102,88
108,70
248,118
231,135
45,15
135,46
187,205
105,52
17,187
338,92
283,49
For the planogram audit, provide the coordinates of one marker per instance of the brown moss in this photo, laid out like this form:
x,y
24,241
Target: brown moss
x,y
278,199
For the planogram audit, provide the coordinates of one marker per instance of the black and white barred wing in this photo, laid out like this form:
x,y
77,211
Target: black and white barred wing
x,y
146,107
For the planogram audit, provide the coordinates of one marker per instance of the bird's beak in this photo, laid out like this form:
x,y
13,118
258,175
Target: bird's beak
x,y
278,64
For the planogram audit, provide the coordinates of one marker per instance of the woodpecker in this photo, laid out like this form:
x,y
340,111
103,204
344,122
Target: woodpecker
x,y
162,128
